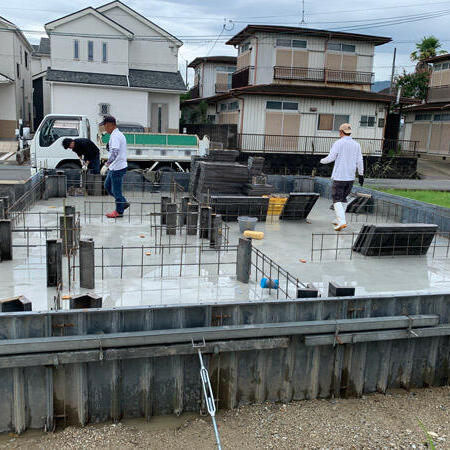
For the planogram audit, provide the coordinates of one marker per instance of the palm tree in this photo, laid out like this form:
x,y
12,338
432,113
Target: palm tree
x,y
428,47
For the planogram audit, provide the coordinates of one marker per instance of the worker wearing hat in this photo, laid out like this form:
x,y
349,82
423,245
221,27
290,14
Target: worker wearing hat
x,y
116,166
347,157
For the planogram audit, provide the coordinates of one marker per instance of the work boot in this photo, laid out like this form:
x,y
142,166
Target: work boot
x,y
340,216
126,206
114,215
336,221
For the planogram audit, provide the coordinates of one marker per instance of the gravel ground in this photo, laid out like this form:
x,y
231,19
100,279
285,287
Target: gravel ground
x,y
374,421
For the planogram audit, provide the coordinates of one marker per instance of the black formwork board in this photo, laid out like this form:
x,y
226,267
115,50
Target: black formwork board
x,y
398,239
299,205
360,204
359,242
230,207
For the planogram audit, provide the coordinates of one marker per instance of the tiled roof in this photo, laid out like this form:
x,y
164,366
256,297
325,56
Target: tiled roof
x,y
149,79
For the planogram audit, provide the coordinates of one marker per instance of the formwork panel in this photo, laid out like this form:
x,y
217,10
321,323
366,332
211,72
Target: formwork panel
x,y
131,388
7,396
422,367
192,393
375,355
99,391
276,372
442,369
35,397
250,375
325,374
164,386
300,369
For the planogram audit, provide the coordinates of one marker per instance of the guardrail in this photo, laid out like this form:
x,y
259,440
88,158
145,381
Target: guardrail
x,y
313,74
265,143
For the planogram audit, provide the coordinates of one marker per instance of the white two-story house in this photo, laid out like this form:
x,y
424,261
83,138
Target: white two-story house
x,y
15,79
112,60
293,87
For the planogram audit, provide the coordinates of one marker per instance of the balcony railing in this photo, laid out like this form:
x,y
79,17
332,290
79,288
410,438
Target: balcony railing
x,y
194,92
241,77
221,88
265,143
310,74
439,94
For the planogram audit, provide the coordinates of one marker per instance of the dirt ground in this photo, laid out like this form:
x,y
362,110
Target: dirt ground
x,y
374,421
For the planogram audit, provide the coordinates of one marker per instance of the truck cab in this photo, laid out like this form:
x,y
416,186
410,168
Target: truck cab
x,y
47,151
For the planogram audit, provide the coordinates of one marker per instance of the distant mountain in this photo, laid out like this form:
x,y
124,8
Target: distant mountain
x,y
380,85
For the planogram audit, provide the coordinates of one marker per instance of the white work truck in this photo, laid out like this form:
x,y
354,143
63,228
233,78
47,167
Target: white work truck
x,y
154,151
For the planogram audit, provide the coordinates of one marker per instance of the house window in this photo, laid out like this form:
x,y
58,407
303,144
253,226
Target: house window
x,y
26,60
295,43
244,47
445,66
223,107
331,122
225,69
233,106
90,50
18,70
381,122
76,49
335,46
274,105
437,67
104,109
423,116
367,121
104,52
211,118
290,106
441,117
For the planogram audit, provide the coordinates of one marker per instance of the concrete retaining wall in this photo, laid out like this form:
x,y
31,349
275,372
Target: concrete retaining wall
x,y
105,382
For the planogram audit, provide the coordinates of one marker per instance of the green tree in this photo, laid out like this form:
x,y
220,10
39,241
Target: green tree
x,y
428,47
415,84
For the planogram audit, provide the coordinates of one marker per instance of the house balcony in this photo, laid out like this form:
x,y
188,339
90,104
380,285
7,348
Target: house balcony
x,y
439,94
222,88
194,92
322,75
241,77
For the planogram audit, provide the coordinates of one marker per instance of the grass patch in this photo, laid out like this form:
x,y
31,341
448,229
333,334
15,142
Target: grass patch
x,y
439,198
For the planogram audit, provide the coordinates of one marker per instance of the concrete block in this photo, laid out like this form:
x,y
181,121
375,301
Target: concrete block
x,y
244,260
61,183
54,262
307,293
192,219
87,264
335,290
85,301
215,235
171,219
13,304
164,201
6,251
205,222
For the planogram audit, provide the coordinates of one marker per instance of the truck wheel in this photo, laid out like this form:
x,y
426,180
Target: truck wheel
x,y
69,165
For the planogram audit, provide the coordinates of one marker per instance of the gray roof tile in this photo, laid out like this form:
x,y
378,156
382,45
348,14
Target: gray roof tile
x,y
68,76
157,80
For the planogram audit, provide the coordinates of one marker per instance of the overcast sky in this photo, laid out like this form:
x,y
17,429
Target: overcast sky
x,y
198,23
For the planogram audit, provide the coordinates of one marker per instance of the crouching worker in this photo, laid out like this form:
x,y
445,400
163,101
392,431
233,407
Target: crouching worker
x,y
116,166
87,151
347,157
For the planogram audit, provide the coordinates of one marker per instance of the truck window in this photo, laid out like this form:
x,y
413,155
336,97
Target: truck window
x,y
53,129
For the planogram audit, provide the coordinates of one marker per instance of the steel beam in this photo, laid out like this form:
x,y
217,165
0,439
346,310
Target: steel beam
x,y
172,336
387,335
86,356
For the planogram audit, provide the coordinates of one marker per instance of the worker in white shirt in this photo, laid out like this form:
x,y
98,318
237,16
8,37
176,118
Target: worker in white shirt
x,y
347,157
116,166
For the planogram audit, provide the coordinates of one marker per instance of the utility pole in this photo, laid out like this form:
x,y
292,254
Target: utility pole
x,y
303,13
393,71
186,76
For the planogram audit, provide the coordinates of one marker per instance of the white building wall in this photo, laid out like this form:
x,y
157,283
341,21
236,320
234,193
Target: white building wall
x,y
254,121
145,52
173,102
7,102
265,43
39,64
126,105
7,59
62,47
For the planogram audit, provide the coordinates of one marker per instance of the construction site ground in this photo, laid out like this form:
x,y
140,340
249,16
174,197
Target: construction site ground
x,y
378,421
288,243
